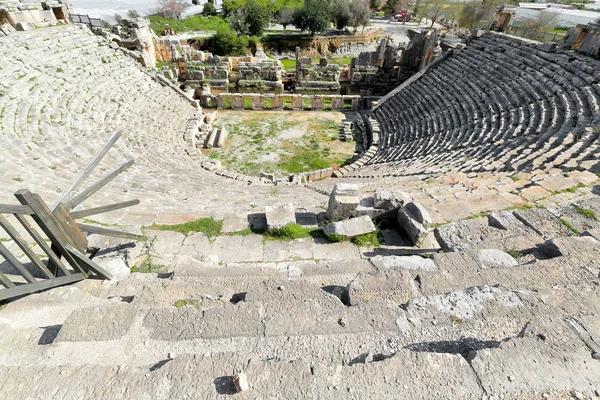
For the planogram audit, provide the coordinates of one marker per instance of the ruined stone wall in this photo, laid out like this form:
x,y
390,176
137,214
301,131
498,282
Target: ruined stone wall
x,y
320,45
27,15
585,39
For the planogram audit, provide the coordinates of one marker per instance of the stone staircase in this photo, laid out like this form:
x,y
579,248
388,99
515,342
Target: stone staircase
x,y
465,324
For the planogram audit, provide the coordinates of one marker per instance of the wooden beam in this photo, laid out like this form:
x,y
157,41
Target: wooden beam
x,y
46,221
5,281
74,235
103,209
92,266
98,185
109,232
38,286
54,261
65,196
15,209
16,264
12,232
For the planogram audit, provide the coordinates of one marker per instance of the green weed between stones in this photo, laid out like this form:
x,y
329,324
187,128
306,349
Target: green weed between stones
x,y
366,240
209,226
516,254
188,302
290,232
569,225
586,212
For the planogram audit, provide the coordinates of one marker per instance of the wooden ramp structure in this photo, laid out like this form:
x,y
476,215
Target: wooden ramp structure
x,y
62,240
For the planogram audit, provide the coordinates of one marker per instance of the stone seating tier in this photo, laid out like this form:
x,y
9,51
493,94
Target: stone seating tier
x,y
500,104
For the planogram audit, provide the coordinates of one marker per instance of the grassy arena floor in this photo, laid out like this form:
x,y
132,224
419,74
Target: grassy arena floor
x,y
281,142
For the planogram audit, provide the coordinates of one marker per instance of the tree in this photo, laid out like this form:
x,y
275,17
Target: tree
x,y
433,9
118,18
374,4
227,43
231,6
452,12
543,21
361,14
133,14
472,14
285,15
340,13
172,8
238,21
258,17
314,16
209,9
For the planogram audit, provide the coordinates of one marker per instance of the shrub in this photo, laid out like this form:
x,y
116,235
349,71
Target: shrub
x,y
209,10
226,43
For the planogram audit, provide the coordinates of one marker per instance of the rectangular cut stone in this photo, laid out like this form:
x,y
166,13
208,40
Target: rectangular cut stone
x,y
350,228
277,218
317,103
237,102
277,103
297,103
337,103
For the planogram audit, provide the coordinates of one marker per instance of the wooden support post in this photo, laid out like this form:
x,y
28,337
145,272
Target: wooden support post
x,y
65,196
16,264
98,185
92,266
20,290
53,262
44,218
12,232
103,209
108,232
74,236
5,281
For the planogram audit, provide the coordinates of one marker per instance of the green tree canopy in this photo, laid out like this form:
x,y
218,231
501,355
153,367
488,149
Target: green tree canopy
x,y
313,17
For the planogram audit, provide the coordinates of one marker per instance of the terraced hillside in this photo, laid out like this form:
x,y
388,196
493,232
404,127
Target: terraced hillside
x,y
500,104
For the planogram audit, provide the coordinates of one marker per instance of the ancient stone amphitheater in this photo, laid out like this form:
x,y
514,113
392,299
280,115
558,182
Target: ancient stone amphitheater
x,y
497,141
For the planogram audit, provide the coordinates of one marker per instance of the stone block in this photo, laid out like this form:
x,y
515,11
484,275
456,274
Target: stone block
x,y
414,220
350,228
278,217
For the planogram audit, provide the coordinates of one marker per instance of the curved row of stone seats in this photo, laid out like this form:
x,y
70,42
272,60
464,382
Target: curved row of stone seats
x,y
499,104
63,92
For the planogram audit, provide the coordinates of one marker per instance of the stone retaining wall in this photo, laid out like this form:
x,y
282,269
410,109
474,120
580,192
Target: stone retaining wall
x,y
254,101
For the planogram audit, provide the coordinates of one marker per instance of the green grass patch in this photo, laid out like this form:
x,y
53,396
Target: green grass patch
x,y
289,65
516,254
569,225
290,232
243,232
586,212
193,23
209,226
188,302
149,267
367,240
515,178
304,161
